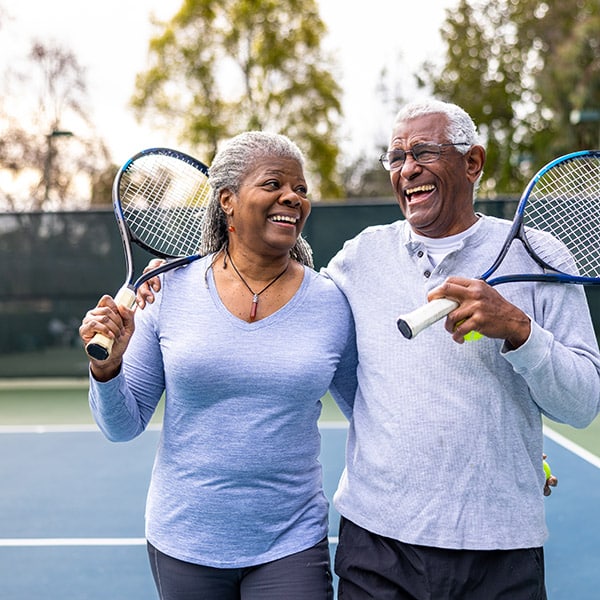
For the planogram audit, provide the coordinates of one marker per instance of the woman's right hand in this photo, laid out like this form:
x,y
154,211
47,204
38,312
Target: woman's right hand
x,y
112,321
146,291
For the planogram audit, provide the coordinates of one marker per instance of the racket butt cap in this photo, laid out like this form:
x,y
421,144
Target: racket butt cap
x,y
404,328
96,351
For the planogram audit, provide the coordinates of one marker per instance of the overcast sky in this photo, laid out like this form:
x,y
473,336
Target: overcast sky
x,y
110,39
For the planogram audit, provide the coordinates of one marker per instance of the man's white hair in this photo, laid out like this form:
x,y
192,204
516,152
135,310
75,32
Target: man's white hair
x,y
461,127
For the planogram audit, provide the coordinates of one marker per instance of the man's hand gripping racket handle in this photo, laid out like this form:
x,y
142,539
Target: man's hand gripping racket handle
x,y
100,346
414,322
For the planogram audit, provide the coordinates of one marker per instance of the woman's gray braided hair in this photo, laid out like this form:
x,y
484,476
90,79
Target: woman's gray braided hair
x,y
229,168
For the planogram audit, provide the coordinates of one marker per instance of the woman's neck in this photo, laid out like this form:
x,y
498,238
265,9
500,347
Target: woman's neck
x,y
257,267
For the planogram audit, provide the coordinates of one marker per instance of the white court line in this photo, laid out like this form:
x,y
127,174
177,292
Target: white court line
x,y
90,428
333,425
52,542
91,542
576,449
73,542
46,542
83,428
48,428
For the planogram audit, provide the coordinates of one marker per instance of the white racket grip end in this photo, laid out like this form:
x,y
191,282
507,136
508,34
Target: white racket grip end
x,y
412,323
99,346
125,297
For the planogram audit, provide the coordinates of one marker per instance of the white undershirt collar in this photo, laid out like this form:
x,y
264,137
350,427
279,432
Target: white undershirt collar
x,y
438,248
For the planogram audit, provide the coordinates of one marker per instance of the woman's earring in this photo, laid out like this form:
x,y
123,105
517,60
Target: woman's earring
x,y
231,228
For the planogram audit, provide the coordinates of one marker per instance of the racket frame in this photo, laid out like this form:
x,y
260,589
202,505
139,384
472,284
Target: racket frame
x,y
99,347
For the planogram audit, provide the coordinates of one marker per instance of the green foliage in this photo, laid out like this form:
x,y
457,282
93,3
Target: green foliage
x,y
520,68
221,67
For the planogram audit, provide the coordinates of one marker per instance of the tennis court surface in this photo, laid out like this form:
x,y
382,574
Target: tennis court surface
x,y
72,503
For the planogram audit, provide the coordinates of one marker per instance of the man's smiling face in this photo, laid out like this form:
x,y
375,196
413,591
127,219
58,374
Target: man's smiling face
x,y
435,198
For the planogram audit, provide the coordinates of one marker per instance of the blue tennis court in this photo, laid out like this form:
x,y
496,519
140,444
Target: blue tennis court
x,y
72,507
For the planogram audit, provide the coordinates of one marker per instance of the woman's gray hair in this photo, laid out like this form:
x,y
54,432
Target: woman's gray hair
x,y
231,165
461,127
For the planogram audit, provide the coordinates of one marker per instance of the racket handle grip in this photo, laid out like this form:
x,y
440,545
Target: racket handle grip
x,y
100,346
414,322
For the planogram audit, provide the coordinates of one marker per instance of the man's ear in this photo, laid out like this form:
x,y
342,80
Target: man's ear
x,y
475,161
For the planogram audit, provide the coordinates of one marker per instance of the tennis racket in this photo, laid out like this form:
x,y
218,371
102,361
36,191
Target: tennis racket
x,y
557,221
159,199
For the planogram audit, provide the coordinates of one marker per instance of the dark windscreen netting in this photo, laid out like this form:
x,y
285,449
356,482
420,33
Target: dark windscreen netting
x,y
55,266
58,254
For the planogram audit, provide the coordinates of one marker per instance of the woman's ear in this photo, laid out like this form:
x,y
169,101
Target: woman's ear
x,y
226,201
475,162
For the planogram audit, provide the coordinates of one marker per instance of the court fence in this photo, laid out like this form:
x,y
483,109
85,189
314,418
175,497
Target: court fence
x,y
55,266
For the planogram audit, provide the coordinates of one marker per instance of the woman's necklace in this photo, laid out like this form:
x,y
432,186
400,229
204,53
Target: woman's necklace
x,y
255,295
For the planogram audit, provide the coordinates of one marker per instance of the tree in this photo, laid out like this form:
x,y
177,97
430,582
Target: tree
x,y
223,66
520,69
49,172
63,89
567,35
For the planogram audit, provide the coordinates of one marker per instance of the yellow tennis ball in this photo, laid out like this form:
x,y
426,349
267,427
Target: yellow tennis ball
x,y
473,336
547,470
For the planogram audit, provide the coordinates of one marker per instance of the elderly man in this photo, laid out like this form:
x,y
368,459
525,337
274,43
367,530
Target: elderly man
x,y
442,495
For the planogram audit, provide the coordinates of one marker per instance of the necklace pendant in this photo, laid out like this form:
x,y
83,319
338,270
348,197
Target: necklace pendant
x,y
255,295
254,307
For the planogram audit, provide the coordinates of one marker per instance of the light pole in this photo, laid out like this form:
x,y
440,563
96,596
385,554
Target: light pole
x,y
48,162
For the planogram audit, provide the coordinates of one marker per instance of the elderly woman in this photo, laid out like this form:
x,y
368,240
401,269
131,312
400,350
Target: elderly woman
x,y
243,343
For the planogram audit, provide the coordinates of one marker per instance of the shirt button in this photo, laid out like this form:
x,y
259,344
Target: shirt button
x,y
427,274
420,253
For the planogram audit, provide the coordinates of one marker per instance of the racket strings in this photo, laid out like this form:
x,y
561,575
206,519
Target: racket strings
x,y
163,200
565,202
169,221
161,225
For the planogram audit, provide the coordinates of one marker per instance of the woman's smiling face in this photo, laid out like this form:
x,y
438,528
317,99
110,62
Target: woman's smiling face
x,y
271,205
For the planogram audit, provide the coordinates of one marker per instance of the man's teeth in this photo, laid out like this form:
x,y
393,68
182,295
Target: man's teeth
x,y
420,188
284,219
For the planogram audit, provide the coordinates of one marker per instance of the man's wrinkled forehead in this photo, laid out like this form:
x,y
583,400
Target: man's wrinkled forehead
x,y
431,127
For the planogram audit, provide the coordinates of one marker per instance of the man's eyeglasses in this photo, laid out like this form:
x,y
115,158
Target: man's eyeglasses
x,y
422,153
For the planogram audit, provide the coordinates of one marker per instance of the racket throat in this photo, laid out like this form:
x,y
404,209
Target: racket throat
x,y
125,297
